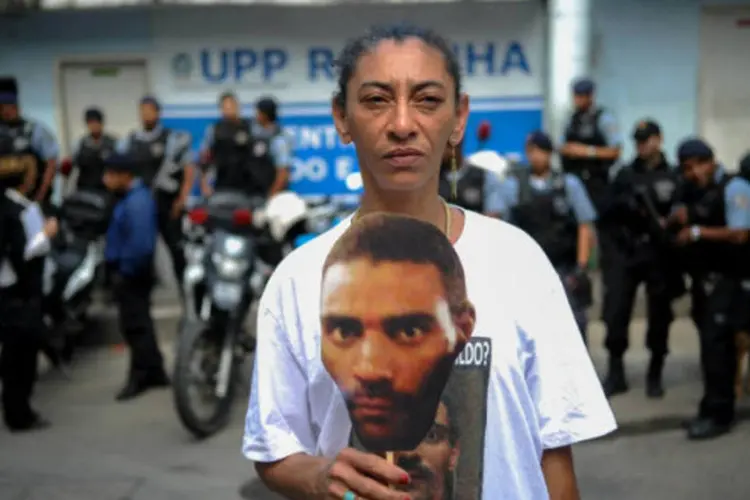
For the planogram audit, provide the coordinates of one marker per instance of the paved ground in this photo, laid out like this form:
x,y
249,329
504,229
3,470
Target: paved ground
x,y
100,450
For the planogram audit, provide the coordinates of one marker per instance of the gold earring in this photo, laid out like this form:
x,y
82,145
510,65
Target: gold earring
x,y
454,174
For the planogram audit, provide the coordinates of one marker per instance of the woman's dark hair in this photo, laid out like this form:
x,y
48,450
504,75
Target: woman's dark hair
x,y
346,63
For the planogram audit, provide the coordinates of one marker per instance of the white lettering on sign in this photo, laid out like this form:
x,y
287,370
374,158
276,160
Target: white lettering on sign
x,y
476,353
315,137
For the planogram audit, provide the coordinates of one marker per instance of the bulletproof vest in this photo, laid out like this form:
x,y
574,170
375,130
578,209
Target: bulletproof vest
x,y
90,160
709,210
547,217
584,128
149,154
21,132
243,160
659,186
469,188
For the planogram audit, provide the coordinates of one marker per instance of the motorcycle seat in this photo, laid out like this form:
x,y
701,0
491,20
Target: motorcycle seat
x,y
232,200
88,210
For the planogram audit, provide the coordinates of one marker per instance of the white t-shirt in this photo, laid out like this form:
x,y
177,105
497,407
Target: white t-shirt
x,y
542,391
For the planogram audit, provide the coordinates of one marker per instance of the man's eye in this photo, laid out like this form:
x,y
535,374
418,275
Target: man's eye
x,y
343,334
410,333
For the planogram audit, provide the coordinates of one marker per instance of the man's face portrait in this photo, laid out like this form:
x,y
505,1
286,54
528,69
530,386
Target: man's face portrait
x,y
432,464
389,340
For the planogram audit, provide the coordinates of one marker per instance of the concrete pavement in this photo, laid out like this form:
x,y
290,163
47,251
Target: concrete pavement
x,y
100,450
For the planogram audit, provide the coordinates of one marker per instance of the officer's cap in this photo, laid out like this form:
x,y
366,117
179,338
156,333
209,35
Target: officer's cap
x,y
694,149
152,101
645,130
584,86
541,141
267,106
8,90
119,162
93,115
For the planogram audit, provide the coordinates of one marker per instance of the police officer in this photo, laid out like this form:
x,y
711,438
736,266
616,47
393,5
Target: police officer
x,y
131,241
716,222
267,126
164,161
644,194
461,183
29,137
591,145
24,240
92,151
242,158
555,210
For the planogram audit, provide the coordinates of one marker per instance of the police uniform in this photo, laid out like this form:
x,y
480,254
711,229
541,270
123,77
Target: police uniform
x,y
130,246
23,245
644,194
594,127
243,157
470,187
720,287
550,208
161,156
28,138
91,154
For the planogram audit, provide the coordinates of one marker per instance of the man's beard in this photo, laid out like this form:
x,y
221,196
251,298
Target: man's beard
x,y
417,411
425,483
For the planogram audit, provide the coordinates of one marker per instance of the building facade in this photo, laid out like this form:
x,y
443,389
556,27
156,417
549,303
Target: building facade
x,y
651,59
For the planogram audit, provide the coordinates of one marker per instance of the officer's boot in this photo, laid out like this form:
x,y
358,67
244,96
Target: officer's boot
x,y
615,382
654,386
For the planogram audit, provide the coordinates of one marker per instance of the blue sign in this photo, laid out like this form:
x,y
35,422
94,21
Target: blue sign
x,y
322,162
267,64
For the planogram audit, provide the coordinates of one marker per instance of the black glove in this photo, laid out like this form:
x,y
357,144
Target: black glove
x,y
580,286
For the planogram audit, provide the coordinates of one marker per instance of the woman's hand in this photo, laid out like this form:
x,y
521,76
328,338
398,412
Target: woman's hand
x,y
51,228
365,475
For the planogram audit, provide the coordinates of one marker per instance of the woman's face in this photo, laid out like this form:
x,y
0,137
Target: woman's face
x,y
400,113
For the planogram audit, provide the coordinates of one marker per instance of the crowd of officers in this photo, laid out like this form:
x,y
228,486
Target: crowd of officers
x,y
651,223
147,176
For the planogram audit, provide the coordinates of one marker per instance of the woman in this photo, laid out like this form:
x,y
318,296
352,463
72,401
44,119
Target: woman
x,y
399,102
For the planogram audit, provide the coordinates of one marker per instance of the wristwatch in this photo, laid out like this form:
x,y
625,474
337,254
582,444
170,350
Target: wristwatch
x,y
695,233
592,152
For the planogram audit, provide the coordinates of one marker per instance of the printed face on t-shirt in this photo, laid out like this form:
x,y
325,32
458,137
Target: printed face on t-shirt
x,y
432,464
389,342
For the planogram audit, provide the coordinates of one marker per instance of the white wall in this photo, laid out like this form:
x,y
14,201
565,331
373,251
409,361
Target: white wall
x,y
647,62
647,56
30,48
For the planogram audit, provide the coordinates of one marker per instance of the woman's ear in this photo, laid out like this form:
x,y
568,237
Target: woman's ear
x,y
338,110
462,116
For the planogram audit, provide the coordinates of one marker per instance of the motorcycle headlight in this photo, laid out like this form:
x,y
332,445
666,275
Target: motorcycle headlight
x,y
229,267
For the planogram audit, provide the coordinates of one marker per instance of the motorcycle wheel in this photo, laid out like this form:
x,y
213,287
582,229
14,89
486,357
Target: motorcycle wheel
x,y
193,339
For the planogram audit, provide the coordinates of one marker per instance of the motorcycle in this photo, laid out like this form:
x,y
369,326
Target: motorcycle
x,y
73,266
327,211
232,242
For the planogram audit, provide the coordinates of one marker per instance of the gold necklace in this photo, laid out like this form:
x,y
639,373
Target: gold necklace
x,y
448,217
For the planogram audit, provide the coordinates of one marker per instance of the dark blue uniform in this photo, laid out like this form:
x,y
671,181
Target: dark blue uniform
x,y
131,242
550,207
720,271
22,248
643,195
